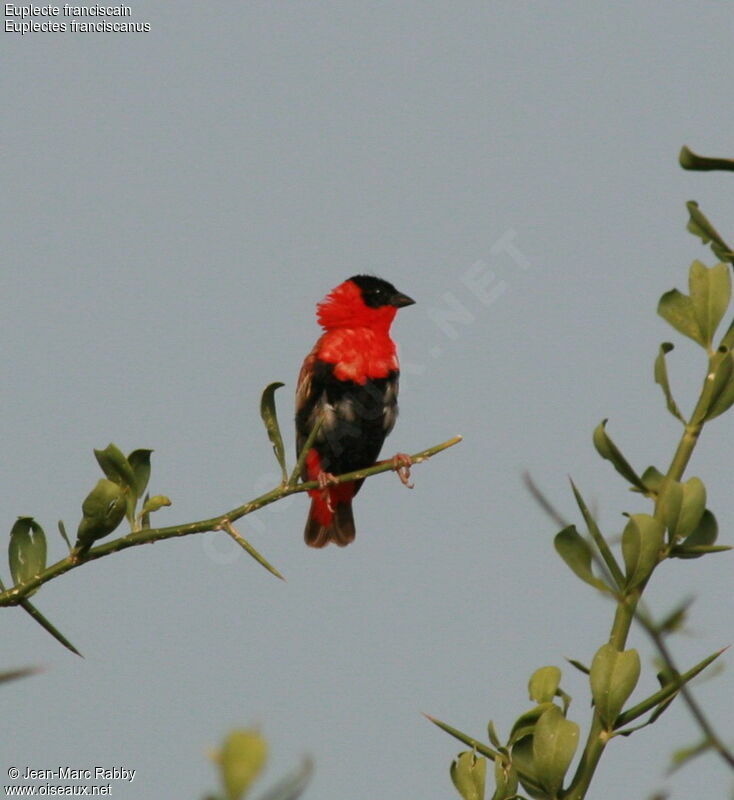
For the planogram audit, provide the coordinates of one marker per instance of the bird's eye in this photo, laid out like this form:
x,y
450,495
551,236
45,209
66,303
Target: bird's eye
x,y
375,296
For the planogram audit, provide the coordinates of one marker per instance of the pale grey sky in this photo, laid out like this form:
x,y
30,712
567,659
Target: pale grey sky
x,y
174,205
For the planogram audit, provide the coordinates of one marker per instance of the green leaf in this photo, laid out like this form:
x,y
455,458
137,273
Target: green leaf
x,y
139,461
565,699
642,543
652,478
681,506
505,778
658,712
668,504
293,785
717,378
718,392
115,466
492,734
727,340
523,759
27,550
660,709
468,774
690,160
103,510
705,533
710,294
699,550
668,691
241,760
490,753
270,418
677,310
698,315
543,684
701,540
579,666
661,378
526,722
143,520
47,626
62,531
554,743
614,675
700,226
692,508
155,503
598,537
464,738
608,450
575,551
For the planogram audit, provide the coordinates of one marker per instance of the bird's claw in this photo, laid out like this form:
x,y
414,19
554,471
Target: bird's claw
x,y
326,479
401,463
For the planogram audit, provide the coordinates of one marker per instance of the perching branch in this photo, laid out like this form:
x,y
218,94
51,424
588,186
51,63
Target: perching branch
x,y
13,595
122,494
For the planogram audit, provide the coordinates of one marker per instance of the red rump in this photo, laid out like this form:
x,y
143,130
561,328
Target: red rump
x,y
341,493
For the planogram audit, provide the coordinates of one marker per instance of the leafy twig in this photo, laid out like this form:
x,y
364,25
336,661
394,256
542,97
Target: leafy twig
x,y
13,595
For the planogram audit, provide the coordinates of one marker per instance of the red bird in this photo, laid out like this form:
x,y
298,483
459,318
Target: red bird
x,y
350,380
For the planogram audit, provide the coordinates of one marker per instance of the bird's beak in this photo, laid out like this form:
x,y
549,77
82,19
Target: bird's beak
x,y
399,300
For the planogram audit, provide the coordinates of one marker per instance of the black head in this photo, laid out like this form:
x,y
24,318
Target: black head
x,y
377,293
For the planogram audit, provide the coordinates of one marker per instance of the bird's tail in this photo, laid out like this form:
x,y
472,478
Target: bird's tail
x,y
330,520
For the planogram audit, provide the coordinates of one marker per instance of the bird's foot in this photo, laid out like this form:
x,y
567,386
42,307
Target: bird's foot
x,y
401,463
326,479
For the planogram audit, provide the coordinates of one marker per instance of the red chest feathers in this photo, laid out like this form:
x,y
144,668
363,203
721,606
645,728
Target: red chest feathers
x,y
358,354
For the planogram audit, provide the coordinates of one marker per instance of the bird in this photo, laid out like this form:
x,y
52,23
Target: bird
x,y
349,381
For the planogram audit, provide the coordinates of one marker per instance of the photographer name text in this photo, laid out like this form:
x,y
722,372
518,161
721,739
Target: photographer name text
x,y
75,774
